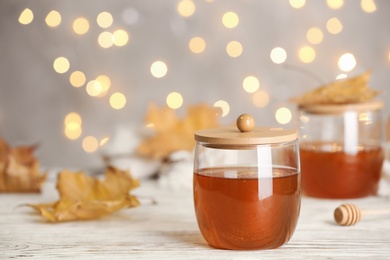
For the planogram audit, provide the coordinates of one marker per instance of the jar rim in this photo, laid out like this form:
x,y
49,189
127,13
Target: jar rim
x,y
340,108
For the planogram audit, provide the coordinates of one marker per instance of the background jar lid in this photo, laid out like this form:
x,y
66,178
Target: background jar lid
x,y
245,134
341,108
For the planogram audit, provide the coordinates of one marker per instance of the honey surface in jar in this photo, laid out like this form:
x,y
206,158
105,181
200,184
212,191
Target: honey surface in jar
x,y
328,171
246,212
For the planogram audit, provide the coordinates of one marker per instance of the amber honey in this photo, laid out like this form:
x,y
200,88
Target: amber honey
x,y
328,171
245,212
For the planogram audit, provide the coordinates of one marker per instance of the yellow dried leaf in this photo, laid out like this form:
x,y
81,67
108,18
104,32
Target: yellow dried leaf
x,y
84,197
161,119
19,169
346,91
80,186
163,144
172,133
71,210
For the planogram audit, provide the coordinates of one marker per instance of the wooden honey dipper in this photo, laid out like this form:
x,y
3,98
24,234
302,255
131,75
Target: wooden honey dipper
x,y
350,214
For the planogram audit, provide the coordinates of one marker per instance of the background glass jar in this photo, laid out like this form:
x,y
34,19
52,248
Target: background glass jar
x,y
247,191
341,149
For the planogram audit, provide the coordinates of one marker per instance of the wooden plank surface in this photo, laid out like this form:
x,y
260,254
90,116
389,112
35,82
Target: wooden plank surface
x,y
168,230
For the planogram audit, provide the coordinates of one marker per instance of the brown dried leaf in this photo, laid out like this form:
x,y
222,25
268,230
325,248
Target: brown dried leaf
x,y
346,91
19,169
84,197
173,134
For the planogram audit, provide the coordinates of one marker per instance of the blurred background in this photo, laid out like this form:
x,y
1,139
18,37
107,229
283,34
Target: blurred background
x,y
74,72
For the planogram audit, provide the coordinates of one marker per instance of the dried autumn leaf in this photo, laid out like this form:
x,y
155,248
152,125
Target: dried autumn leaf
x,y
346,91
163,144
161,119
84,197
19,169
172,133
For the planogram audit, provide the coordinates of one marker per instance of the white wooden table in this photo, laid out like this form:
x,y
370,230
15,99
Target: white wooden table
x,y
168,230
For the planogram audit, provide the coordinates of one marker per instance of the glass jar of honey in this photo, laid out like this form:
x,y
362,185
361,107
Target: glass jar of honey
x,y
247,190
341,149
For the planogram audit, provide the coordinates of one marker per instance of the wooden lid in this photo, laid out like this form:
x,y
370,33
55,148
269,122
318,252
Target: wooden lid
x,y
337,109
241,136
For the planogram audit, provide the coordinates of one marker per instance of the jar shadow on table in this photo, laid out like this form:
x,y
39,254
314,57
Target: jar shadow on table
x,y
330,222
192,238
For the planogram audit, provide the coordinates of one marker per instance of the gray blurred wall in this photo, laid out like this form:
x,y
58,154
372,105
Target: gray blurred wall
x,y
34,99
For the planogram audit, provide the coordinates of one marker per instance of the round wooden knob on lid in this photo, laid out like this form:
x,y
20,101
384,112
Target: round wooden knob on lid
x,y
245,123
245,134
